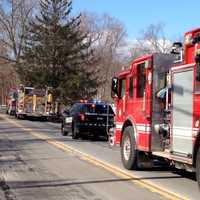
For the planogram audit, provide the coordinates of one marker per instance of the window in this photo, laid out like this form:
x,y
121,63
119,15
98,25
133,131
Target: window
x,y
162,81
74,108
131,87
98,108
141,80
122,88
197,81
28,91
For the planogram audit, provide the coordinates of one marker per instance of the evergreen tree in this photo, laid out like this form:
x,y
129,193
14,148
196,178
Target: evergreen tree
x,y
57,52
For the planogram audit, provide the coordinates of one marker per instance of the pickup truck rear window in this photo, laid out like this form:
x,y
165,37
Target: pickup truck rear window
x,y
94,108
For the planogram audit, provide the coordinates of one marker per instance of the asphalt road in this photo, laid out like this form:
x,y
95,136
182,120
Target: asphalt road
x,y
36,162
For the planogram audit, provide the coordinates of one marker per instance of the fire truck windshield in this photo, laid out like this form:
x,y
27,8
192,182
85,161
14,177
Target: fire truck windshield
x,y
28,91
141,80
122,87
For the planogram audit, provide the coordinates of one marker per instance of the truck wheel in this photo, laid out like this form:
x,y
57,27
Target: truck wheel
x,y
18,116
63,132
111,141
128,149
75,132
95,136
198,167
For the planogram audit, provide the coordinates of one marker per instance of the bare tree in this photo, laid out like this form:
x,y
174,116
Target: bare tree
x,y
8,79
14,17
108,35
152,40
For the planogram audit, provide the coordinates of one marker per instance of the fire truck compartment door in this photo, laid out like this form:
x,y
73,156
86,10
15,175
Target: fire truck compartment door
x,y
182,100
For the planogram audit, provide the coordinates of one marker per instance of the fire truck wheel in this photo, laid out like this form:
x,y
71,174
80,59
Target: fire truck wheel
x,y
75,132
198,167
128,151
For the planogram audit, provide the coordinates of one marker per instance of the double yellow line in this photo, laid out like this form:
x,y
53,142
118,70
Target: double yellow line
x,y
111,168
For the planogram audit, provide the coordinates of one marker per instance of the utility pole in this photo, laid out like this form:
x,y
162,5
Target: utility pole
x,y
3,89
1,85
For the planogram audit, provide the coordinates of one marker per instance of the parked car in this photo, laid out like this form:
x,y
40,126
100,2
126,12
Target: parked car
x,y
87,118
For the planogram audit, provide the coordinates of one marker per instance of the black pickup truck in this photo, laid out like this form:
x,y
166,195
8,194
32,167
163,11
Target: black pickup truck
x,y
87,118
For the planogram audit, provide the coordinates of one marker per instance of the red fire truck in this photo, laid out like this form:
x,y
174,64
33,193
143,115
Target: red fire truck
x,y
158,108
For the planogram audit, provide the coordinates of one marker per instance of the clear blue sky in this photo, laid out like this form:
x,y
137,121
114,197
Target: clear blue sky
x,y
179,16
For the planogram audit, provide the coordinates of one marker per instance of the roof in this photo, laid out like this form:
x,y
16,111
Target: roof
x,y
123,73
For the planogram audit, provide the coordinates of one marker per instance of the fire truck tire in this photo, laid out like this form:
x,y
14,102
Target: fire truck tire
x,y
198,167
128,150
75,132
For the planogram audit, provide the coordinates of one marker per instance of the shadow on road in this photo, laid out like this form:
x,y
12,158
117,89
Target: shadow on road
x,y
20,144
63,183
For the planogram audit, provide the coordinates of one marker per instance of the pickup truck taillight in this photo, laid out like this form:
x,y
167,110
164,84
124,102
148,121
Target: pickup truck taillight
x,y
82,117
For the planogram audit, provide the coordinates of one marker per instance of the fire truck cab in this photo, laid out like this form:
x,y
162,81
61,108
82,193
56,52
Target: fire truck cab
x,y
158,108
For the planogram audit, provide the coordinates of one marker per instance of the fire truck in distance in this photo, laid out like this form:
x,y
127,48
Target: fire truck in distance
x,y
33,102
158,108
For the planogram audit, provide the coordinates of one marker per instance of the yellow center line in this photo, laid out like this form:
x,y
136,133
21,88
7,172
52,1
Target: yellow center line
x,y
109,167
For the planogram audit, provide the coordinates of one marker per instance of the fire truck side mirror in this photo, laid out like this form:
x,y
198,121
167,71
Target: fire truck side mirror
x,y
148,64
114,87
177,50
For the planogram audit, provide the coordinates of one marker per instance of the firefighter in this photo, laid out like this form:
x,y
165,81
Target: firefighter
x,y
161,95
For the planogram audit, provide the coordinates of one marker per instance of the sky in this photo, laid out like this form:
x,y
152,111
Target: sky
x,y
179,16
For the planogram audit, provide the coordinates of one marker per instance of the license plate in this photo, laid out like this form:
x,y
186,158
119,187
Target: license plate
x,y
100,118
68,119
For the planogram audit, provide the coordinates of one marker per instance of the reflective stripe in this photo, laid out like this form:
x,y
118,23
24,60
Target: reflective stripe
x,y
183,128
147,125
183,66
140,127
119,126
183,137
187,132
144,128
